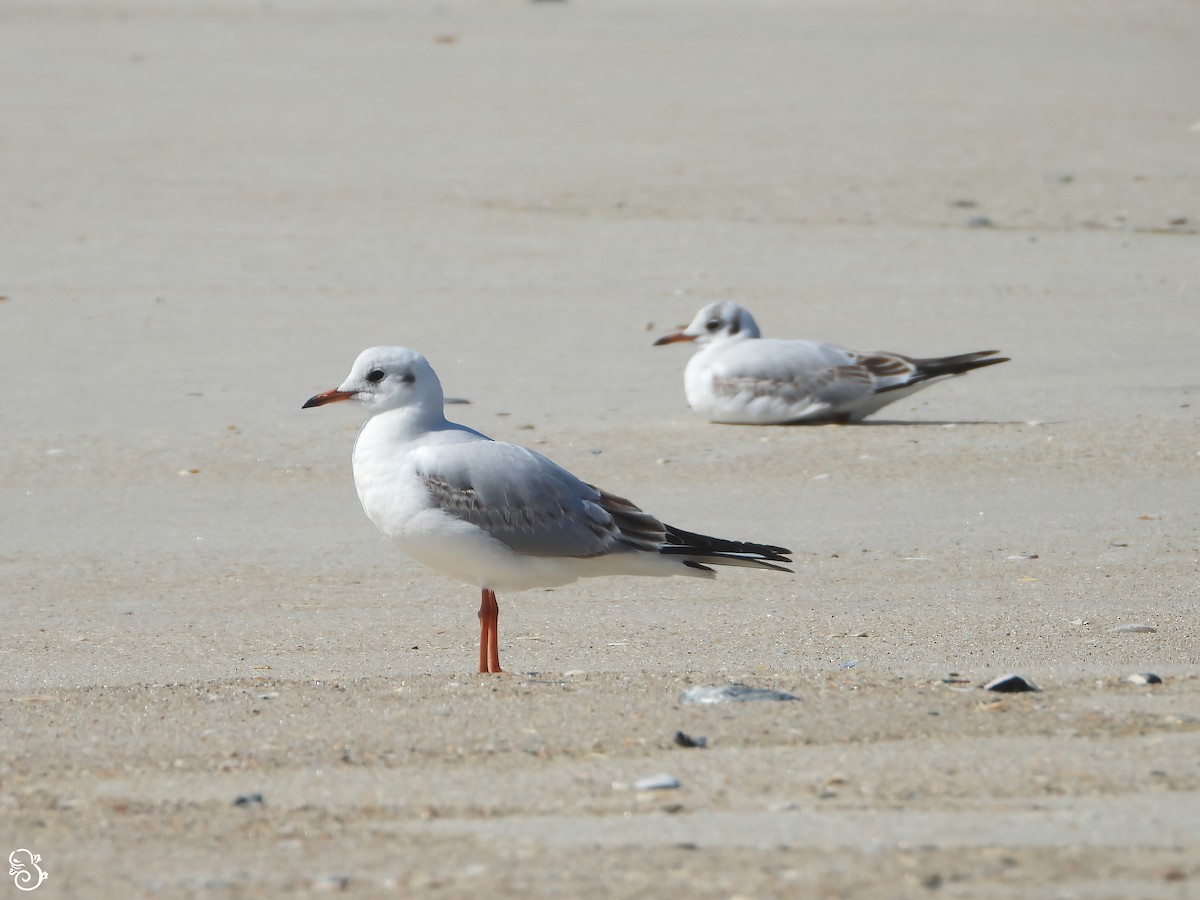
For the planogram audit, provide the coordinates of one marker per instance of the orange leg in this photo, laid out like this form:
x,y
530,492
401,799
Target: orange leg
x,y
489,633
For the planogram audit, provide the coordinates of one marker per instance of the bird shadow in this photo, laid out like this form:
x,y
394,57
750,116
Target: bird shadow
x,y
918,423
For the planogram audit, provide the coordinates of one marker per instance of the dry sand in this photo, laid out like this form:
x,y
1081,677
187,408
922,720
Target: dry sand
x,y
210,208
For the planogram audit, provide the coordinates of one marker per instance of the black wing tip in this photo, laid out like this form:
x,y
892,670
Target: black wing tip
x,y
720,551
956,365
761,564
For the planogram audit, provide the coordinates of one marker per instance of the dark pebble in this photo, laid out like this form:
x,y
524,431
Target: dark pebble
x,y
686,740
1010,684
1144,678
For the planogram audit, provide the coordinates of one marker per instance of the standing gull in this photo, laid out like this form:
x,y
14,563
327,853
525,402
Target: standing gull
x,y
740,378
499,515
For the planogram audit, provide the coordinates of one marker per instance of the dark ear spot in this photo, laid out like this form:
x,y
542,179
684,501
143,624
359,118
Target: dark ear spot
x,y
408,378
735,327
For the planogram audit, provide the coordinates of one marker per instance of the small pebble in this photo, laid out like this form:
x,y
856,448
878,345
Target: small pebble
x,y
662,782
1144,678
331,883
1135,629
248,800
1010,684
980,222
708,695
686,740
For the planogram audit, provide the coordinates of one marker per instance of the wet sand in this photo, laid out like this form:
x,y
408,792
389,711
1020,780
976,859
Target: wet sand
x,y
210,209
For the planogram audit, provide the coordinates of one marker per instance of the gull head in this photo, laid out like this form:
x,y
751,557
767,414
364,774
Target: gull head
x,y
384,378
716,322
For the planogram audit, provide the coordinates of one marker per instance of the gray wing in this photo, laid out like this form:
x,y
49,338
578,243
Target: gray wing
x,y
532,505
807,376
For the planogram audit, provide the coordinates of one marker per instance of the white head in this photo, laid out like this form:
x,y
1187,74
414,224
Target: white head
x,y
716,322
384,378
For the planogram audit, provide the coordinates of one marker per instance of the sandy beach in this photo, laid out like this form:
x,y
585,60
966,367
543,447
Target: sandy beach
x,y
211,208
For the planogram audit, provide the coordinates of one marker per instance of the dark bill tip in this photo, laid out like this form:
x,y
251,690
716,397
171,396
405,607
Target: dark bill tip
x,y
328,397
673,338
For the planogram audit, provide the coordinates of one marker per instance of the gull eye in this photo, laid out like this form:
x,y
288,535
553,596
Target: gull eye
x,y
375,376
713,324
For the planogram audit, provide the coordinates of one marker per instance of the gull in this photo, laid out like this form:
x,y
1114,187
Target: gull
x,y
497,515
741,378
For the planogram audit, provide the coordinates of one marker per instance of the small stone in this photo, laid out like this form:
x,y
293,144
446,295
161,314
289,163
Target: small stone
x,y
249,800
1135,629
731,693
331,883
1010,684
980,222
963,203
686,740
661,782
1144,678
